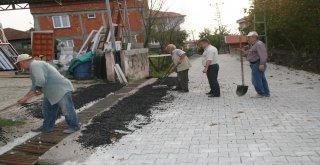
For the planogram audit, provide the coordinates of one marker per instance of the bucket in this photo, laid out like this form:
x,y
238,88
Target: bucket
x,y
83,71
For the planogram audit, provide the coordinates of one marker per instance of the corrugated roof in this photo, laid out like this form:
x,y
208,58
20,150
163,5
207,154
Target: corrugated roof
x,y
13,34
244,19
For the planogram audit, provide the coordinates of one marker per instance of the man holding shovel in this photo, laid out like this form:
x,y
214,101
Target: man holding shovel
x,y
257,56
182,63
57,92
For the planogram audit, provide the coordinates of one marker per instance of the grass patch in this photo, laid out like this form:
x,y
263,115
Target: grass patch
x,y
156,74
159,66
9,122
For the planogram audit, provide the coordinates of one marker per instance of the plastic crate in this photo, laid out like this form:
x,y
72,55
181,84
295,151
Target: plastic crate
x,y
83,71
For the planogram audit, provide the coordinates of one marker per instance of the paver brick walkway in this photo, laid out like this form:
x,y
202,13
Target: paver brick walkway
x,y
232,130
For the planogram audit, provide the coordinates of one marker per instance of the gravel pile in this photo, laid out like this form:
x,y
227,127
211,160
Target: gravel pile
x,y
3,139
111,125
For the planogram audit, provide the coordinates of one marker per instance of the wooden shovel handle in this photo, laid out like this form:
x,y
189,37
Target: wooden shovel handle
x,y
241,59
9,106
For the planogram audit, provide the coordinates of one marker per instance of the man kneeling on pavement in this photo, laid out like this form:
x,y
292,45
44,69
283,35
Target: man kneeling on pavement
x,y
182,64
57,92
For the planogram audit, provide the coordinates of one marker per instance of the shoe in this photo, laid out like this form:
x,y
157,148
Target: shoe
x,y
41,130
176,89
37,129
70,131
213,95
257,96
209,93
184,91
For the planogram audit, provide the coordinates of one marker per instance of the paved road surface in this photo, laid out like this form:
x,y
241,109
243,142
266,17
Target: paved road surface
x,y
282,129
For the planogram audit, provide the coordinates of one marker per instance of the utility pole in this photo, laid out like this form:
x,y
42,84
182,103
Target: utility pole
x,y
218,19
194,41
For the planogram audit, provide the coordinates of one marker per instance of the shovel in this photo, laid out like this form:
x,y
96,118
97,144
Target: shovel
x,y
241,89
164,78
15,104
9,106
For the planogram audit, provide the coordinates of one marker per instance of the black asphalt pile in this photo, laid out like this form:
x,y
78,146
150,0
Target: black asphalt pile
x,y
34,109
111,125
81,97
3,139
84,96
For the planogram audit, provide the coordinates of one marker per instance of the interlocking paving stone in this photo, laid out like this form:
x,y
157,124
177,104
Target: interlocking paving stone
x,y
282,129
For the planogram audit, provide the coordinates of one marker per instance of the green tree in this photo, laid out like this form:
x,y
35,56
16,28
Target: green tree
x,y
150,13
291,25
167,31
216,37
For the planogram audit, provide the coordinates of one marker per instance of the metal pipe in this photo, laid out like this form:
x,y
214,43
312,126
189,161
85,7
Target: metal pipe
x,y
127,20
113,40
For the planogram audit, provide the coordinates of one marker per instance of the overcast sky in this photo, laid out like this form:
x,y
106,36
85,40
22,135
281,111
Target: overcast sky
x,y
200,14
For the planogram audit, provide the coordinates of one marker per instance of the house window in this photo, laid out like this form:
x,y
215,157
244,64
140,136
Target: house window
x,y
91,15
68,43
62,21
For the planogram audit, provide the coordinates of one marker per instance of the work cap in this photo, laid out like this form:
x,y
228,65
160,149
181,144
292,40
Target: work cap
x,y
253,33
23,57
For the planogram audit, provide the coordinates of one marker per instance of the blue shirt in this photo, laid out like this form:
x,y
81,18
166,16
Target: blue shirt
x,y
54,85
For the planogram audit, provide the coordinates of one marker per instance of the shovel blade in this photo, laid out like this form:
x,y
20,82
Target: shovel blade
x,y
241,90
160,87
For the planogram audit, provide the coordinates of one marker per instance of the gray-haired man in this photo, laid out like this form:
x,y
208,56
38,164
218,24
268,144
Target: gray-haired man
x,y
181,61
257,56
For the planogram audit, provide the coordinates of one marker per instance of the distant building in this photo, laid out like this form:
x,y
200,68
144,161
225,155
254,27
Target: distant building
x,y
243,23
172,20
73,21
166,21
190,44
20,40
234,41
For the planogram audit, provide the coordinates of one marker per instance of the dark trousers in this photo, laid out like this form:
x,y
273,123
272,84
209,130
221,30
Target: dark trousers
x,y
212,75
183,80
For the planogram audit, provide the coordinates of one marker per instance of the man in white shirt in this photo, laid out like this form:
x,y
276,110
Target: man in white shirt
x,y
181,61
211,66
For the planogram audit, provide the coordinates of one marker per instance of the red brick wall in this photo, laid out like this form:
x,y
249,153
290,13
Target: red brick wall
x,y
47,24
92,24
135,21
45,12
